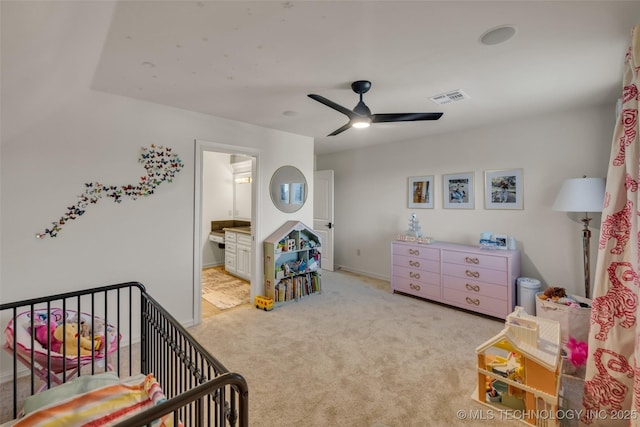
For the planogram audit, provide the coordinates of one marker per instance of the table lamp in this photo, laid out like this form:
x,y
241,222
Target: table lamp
x,y
582,195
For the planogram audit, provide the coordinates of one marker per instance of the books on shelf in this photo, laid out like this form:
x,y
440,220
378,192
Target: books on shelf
x,y
293,288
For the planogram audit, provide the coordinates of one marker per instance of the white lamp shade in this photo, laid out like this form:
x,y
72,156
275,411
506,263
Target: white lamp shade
x,y
580,195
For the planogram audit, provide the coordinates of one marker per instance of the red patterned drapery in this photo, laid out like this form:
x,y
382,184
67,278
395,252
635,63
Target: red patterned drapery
x,y
612,382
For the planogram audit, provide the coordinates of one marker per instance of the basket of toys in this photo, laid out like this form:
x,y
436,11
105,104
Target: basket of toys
x,y
571,311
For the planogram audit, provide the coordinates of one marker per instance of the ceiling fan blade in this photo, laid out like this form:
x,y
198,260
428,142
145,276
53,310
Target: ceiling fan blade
x,y
331,104
340,130
404,117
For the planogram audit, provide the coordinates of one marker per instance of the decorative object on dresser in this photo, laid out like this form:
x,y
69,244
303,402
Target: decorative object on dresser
x,y
458,275
457,190
420,192
292,256
504,189
414,226
582,195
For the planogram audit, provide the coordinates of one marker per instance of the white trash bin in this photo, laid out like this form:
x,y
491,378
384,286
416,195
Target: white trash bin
x,y
527,289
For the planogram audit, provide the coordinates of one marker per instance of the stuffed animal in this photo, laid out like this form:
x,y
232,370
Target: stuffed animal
x,y
85,326
553,293
42,334
70,340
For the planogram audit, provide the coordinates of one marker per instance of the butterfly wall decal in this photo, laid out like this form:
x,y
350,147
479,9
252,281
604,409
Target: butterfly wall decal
x,y
161,166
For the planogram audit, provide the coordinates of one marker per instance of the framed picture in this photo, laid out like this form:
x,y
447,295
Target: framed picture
x,y
421,192
457,190
503,189
501,241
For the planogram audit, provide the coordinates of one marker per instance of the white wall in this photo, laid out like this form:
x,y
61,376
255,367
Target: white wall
x,y
58,134
371,192
217,201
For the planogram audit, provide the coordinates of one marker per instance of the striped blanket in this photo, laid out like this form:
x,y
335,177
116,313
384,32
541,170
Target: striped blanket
x,y
105,406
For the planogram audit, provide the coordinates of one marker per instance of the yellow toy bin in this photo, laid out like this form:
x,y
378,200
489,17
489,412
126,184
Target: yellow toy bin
x,y
263,302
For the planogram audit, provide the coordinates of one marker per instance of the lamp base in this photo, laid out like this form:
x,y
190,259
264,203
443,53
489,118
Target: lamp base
x,y
586,245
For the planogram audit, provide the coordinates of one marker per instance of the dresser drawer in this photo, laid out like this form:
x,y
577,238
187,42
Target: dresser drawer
x,y
476,260
416,251
478,303
417,263
416,288
244,239
426,277
474,287
472,272
230,236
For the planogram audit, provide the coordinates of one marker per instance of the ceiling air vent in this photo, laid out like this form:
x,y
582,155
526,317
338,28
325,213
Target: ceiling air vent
x,y
451,96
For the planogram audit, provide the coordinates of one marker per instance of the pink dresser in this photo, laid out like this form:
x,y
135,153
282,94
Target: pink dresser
x,y
464,276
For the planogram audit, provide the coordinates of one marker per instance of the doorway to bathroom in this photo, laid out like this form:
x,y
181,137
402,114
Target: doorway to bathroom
x,y
225,223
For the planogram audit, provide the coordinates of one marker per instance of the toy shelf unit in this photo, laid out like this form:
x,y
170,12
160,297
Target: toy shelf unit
x,y
292,263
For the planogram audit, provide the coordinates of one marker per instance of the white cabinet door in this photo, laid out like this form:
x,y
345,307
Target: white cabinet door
x,y
243,261
243,258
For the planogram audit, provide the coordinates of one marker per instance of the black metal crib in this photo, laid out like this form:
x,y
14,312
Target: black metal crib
x,y
146,339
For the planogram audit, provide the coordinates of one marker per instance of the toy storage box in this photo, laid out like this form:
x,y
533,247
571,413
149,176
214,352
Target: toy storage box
x,y
574,321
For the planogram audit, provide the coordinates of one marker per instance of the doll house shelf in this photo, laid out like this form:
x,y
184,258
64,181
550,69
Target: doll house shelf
x,y
292,256
520,368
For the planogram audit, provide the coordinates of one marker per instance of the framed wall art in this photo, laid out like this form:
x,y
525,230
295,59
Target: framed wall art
x,y
503,189
501,241
420,192
457,190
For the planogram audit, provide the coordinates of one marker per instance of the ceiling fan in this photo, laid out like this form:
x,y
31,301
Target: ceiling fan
x,y
361,117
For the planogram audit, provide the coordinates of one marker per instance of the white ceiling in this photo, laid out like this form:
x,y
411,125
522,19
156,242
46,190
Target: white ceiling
x,y
256,61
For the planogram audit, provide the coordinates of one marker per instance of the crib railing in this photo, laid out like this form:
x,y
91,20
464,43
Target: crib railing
x,y
200,391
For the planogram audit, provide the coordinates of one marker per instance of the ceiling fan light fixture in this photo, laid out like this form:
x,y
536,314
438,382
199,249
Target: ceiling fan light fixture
x,y
361,117
361,122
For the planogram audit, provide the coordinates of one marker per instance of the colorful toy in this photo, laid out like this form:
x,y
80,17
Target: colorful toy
x,y
578,351
525,357
263,302
67,334
45,336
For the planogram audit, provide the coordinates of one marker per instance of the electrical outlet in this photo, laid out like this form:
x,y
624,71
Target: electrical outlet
x,y
358,252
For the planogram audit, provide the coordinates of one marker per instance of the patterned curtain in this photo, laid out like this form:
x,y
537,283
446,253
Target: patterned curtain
x,y
612,382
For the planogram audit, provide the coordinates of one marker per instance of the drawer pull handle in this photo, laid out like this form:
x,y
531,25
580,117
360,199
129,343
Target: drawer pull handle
x,y
414,252
414,287
473,301
473,274
473,260
414,264
414,275
475,288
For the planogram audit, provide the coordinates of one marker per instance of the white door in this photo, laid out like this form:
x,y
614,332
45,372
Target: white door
x,y
323,214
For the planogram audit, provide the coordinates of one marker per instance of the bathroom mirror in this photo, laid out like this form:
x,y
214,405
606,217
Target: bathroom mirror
x,y
288,189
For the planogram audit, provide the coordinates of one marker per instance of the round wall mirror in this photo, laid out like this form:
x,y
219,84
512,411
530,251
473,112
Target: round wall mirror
x,y
288,189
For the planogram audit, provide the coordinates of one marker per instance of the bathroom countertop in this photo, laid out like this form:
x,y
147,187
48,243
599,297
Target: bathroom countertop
x,y
245,230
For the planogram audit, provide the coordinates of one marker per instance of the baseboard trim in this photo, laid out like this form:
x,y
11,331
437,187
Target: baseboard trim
x,y
362,273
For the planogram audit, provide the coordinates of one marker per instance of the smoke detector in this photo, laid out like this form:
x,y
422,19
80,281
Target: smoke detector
x,y
451,96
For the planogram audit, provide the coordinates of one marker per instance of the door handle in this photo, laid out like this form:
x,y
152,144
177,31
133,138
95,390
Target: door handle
x,y
329,226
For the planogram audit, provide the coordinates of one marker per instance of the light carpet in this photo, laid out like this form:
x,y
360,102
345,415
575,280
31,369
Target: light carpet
x,y
223,289
354,355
